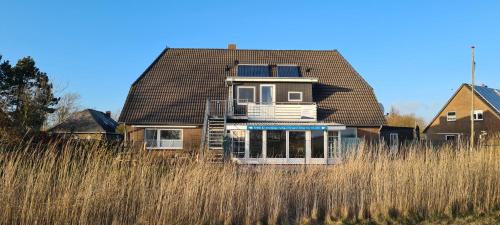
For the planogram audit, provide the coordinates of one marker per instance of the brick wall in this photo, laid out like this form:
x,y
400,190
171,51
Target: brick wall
x,y
191,138
461,104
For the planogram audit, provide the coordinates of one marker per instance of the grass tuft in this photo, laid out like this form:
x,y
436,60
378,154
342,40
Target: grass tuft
x,y
96,183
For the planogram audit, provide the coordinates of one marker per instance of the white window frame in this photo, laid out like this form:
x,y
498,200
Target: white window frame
x,y
274,93
238,94
158,139
451,119
475,114
295,92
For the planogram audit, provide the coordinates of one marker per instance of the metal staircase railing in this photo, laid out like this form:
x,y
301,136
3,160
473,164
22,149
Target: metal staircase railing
x,y
204,130
215,113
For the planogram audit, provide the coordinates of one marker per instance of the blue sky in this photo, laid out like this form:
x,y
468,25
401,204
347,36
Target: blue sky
x,y
414,54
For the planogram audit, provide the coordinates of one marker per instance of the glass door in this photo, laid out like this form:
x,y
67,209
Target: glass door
x,y
267,93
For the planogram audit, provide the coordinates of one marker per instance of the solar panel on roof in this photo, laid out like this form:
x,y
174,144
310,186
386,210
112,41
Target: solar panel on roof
x,y
491,95
288,71
254,71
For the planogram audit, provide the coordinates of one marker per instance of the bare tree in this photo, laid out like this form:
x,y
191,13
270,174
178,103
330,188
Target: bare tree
x,y
67,105
396,118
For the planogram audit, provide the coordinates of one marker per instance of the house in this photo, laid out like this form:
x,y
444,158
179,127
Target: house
x,y
453,122
263,106
88,124
394,136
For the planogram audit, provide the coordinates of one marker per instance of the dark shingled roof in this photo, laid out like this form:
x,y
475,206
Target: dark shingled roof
x,y
86,121
174,88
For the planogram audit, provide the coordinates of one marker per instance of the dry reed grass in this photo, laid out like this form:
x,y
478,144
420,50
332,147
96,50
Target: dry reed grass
x,y
93,183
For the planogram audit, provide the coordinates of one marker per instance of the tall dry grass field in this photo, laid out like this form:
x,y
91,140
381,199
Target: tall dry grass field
x,y
93,183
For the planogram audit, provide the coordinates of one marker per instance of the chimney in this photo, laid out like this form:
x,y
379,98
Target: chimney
x,y
108,114
231,46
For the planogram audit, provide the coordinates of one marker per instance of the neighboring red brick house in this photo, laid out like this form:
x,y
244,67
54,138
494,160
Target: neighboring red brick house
x,y
273,106
453,122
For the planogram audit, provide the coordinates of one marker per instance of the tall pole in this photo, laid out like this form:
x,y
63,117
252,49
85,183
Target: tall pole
x,y
472,102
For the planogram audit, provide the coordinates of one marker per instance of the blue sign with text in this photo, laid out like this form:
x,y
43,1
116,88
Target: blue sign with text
x,y
285,127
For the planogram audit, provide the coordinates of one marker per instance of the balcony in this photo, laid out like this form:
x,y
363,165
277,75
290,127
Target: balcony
x,y
276,111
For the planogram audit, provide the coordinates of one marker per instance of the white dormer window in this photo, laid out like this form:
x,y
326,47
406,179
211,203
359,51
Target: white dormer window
x,y
478,115
451,116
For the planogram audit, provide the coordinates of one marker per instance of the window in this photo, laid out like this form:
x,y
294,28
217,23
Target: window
x,y
294,96
451,116
163,138
317,144
267,94
478,114
255,144
254,71
246,94
333,144
297,144
288,71
150,138
276,144
171,139
238,143
450,137
349,139
349,132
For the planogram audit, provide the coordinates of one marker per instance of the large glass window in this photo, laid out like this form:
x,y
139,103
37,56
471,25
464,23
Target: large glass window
x,y
317,144
170,139
163,138
246,94
276,144
297,144
255,144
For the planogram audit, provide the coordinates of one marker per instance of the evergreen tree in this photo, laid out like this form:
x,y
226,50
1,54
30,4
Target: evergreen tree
x,y
26,96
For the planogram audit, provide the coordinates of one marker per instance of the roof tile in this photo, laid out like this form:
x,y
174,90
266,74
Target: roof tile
x,y
173,90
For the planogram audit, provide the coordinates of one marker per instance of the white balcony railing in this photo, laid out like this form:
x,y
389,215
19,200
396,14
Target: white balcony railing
x,y
276,111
